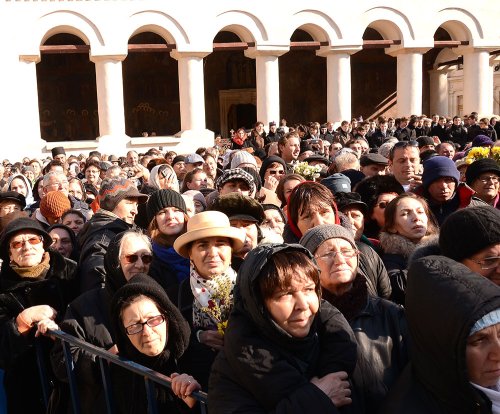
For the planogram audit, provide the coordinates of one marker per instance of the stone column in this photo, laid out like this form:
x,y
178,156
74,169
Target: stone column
x,y
477,80
409,82
29,128
439,92
109,79
267,83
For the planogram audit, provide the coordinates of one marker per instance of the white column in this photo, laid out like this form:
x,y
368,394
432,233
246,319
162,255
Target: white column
x,y
409,82
191,90
477,81
338,87
439,92
29,126
267,77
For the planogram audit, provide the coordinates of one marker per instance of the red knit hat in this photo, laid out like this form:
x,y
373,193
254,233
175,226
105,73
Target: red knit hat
x,y
54,204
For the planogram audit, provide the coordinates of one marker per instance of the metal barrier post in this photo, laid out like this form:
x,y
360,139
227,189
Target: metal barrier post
x,y
106,381
70,369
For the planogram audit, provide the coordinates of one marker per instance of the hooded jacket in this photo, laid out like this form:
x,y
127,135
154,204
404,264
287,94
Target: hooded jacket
x,y
443,301
264,369
88,318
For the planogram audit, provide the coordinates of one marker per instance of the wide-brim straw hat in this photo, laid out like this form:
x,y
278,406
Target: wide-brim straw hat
x,y
208,224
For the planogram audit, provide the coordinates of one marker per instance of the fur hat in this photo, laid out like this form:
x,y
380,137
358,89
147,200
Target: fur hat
x,y
162,199
345,200
13,196
468,231
317,235
115,190
479,167
58,151
54,204
438,167
239,207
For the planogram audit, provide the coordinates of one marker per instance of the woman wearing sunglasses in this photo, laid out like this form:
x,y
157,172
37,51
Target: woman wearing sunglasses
x,y
88,317
167,218
36,285
151,331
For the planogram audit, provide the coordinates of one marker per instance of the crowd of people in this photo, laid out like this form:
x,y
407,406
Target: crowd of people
x,y
294,269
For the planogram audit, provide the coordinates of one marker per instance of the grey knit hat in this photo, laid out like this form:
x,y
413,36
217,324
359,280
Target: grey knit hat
x,y
115,190
468,231
162,199
317,235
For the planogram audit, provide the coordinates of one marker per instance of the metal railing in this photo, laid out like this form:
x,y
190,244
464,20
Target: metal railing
x,y
152,379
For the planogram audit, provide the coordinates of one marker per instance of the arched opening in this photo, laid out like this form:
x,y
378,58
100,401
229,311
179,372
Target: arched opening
x,y
67,95
373,80
229,84
151,90
302,83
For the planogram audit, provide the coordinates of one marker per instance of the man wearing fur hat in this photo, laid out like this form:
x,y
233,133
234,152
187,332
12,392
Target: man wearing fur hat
x,y
442,188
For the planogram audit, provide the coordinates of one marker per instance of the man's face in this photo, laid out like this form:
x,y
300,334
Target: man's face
x,y
403,124
235,186
373,169
61,158
132,158
435,118
442,189
457,121
345,127
272,129
447,150
383,127
405,163
126,209
57,182
291,150
329,126
251,233
180,170
9,206
442,122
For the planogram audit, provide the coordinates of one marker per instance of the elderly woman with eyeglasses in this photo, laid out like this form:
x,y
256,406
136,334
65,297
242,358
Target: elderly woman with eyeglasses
x,y
151,331
378,324
88,316
36,284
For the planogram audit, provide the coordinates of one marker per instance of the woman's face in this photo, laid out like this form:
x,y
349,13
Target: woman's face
x,y
379,207
289,186
19,186
92,174
411,219
26,249
135,257
198,181
210,167
75,189
30,175
293,308
483,356
168,182
314,215
211,256
338,263
39,188
74,222
61,241
276,170
357,220
36,167
151,340
170,221
274,221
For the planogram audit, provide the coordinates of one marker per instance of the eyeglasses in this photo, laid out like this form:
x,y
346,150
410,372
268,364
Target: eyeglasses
x,y
132,258
493,178
276,172
488,262
17,244
138,327
346,254
382,204
402,144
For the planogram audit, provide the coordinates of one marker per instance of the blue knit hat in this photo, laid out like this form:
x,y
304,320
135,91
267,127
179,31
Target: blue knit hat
x,y
437,167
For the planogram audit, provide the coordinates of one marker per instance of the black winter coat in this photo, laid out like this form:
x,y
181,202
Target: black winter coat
x,y
17,352
443,301
262,369
94,239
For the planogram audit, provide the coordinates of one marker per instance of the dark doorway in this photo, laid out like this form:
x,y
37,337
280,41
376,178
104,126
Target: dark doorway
x,y
242,116
67,94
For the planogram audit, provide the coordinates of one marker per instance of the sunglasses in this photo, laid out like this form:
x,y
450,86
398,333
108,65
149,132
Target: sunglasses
x,y
132,258
402,144
276,172
382,204
17,244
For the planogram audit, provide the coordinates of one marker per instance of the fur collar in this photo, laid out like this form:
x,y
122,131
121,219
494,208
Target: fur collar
x,y
396,244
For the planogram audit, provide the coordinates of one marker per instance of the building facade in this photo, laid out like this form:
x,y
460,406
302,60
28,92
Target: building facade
x,y
434,56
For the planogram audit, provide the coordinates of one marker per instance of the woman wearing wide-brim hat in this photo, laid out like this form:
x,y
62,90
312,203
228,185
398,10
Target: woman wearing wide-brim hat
x,y
206,298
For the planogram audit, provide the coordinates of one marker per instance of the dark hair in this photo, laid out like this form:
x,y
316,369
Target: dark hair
x,y
307,194
283,268
189,177
75,212
281,186
390,213
93,164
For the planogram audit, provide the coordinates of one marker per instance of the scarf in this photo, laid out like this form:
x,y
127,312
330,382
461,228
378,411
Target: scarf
x,y
33,272
170,258
213,298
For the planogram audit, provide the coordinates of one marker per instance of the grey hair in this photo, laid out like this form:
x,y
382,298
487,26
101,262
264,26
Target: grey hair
x,y
137,234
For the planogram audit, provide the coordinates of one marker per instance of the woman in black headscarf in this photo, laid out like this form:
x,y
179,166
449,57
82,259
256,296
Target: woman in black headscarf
x,y
284,352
